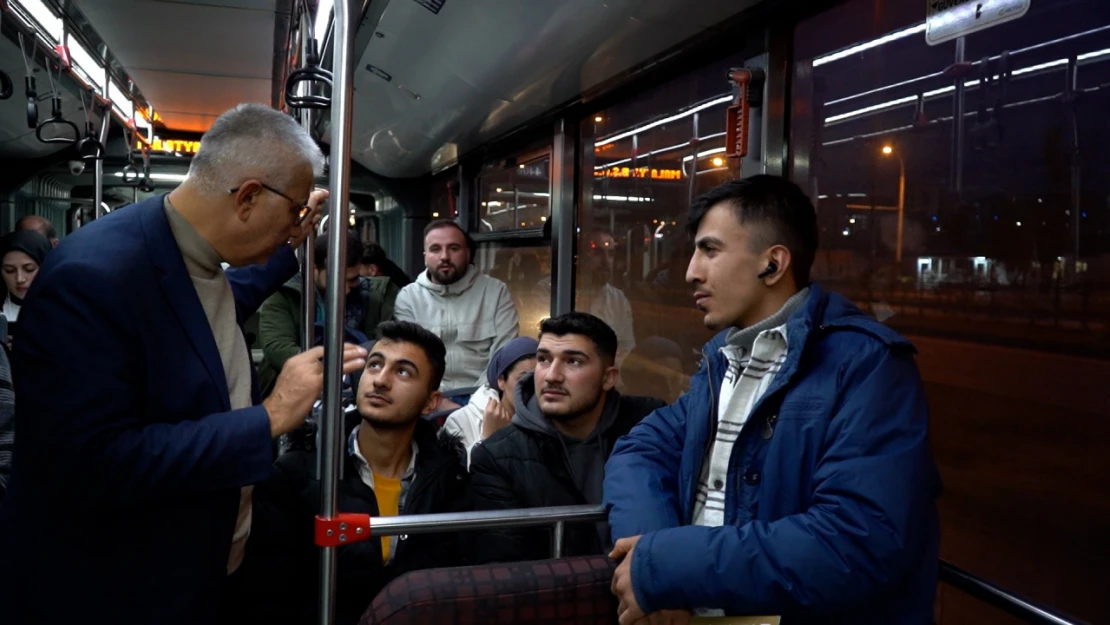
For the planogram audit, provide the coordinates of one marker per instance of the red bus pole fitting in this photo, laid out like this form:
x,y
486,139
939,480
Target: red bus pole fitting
x,y
748,95
343,529
739,115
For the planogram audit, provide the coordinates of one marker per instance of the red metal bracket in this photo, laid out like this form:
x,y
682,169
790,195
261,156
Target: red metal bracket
x,y
345,528
64,59
738,116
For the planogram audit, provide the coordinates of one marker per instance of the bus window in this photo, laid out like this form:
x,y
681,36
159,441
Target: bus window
x,y
962,198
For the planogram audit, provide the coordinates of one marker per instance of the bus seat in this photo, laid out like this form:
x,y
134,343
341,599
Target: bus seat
x,y
545,592
460,396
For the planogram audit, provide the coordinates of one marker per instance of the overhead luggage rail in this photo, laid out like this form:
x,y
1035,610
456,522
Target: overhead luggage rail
x,y
1001,598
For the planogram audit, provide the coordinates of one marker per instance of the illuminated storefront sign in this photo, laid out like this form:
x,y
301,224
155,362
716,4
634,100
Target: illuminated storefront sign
x,y
170,146
639,172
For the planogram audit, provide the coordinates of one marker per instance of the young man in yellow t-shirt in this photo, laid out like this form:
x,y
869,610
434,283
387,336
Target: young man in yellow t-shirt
x,y
395,464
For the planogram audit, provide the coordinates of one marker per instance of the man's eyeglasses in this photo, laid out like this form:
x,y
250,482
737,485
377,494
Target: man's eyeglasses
x,y
303,210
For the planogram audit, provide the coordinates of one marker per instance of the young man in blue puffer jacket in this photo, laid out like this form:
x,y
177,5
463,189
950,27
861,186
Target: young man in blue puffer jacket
x,y
795,477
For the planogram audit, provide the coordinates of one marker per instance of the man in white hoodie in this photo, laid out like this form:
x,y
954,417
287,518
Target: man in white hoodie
x,y
471,312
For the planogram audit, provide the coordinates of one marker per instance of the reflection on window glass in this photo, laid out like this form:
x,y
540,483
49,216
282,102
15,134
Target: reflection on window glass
x,y
516,197
963,198
526,270
642,163
91,71
444,199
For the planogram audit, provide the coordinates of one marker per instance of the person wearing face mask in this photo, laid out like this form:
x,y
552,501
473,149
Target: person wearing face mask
x,y
21,254
491,406
473,313
568,416
795,477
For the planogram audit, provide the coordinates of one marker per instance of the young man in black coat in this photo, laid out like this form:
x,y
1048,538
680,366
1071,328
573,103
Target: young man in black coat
x,y
568,416
394,464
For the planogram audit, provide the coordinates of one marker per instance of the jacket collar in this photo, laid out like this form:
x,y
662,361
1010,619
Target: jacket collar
x,y
821,311
161,245
178,288
429,448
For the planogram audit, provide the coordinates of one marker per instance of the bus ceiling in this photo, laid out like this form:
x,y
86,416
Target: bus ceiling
x,y
433,80
449,77
192,60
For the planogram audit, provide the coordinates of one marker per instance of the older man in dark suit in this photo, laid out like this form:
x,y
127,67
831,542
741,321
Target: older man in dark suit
x,y
139,436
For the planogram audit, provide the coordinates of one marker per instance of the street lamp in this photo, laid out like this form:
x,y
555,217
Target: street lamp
x,y
887,151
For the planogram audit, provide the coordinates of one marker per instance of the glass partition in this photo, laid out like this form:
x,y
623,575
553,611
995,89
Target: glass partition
x,y
641,163
963,199
516,197
526,270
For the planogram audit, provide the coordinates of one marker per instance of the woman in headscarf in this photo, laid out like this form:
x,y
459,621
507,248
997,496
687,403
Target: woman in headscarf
x,y
21,255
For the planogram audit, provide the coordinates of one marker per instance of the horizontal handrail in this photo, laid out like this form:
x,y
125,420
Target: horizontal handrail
x,y
1000,598
486,519
347,528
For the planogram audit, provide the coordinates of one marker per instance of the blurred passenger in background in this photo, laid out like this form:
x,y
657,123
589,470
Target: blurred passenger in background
x,y
376,263
369,302
472,312
39,224
21,255
491,406
655,369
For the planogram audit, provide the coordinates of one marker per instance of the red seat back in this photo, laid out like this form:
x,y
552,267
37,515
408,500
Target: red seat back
x,y
547,592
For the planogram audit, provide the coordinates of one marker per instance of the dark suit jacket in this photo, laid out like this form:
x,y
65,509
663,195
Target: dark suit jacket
x,y
128,459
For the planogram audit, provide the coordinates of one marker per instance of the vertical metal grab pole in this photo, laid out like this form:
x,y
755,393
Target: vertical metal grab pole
x,y
105,120
308,260
308,288
331,439
98,193
958,107
557,539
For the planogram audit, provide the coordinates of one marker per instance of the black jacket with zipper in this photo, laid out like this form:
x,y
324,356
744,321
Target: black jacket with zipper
x,y
527,465
278,581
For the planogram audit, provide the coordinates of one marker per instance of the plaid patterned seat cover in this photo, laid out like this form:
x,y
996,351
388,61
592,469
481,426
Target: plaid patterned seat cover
x,y
547,592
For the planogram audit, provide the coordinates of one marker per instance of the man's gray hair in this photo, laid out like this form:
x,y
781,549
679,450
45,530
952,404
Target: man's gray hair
x,y
253,141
